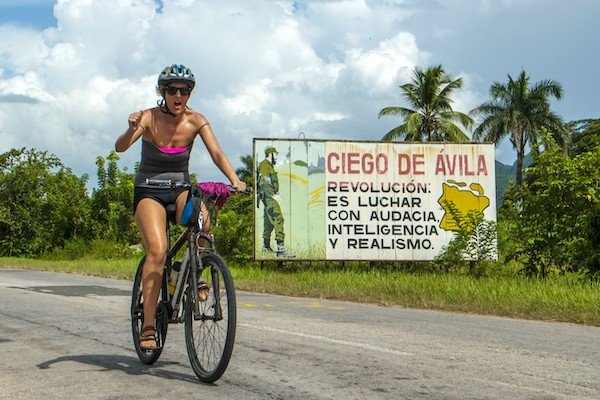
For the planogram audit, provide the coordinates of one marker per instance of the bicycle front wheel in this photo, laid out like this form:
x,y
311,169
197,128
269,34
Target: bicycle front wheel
x,y
209,336
137,318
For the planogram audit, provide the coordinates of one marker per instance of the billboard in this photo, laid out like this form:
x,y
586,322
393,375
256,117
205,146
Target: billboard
x,y
342,200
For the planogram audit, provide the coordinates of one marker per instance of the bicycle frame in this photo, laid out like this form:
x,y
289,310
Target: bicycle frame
x,y
191,265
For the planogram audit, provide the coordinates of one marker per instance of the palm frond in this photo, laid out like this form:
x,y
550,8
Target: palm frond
x,y
397,132
401,111
452,132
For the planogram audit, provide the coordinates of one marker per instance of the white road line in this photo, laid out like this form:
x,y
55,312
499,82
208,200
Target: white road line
x,y
330,340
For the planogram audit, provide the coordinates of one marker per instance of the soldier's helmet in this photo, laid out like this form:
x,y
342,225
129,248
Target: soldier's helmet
x,y
270,150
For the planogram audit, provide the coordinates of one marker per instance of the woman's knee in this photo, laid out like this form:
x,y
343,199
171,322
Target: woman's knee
x,y
156,255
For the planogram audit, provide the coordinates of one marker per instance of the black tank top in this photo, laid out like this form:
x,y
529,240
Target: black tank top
x,y
157,164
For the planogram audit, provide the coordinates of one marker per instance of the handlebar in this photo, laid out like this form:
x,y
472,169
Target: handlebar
x,y
214,192
181,184
167,183
232,189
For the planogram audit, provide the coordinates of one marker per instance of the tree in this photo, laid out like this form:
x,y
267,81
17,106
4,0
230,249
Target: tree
x,y
245,171
519,111
431,116
234,229
553,216
583,136
112,202
44,203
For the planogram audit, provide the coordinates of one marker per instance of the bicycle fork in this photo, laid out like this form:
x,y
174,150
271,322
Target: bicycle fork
x,y
195,273
216,291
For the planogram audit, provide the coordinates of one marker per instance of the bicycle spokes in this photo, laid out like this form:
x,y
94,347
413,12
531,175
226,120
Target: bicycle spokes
x,y
210,334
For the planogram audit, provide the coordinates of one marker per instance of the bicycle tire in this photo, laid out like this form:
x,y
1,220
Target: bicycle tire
x,y
209,342
137,319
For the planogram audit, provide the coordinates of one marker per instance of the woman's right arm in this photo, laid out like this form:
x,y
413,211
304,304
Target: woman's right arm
x,y
133,133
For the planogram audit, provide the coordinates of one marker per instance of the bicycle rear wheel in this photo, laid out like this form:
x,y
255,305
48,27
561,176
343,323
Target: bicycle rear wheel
x,y
209,338
137,319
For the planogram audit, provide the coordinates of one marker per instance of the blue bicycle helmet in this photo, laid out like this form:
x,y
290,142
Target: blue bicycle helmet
x,y
176,72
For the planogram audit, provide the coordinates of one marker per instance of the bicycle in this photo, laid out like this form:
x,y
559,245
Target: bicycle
x,y
210,322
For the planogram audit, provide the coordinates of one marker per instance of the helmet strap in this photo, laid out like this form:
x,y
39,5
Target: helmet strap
x,y
162,105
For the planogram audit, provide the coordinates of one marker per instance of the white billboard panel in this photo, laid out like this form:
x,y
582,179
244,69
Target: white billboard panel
x,y
339,200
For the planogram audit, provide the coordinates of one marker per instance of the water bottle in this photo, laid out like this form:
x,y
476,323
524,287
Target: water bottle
x,y
173,277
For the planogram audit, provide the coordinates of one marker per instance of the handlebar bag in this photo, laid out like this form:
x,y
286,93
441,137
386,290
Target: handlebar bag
x,y
191,210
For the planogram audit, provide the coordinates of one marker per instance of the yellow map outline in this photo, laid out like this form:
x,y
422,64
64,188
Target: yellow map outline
x,y
458,202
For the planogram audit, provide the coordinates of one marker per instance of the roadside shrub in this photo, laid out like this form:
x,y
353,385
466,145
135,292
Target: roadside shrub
x,y
474,248
552,219
233,229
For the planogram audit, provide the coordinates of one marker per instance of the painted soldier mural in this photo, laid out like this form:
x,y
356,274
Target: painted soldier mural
x,y
268,195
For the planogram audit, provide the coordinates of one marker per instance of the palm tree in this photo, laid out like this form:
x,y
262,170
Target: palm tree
x,y
245,171
519,110
431,116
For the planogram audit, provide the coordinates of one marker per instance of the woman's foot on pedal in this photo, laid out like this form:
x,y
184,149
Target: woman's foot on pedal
x,y
148,339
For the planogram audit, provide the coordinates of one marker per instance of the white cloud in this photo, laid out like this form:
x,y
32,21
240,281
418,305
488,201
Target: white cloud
x,y
27,86
263,69
253,100
378,69
21,49
319,116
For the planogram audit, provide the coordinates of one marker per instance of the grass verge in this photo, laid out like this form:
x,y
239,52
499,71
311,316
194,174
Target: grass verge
x,y
552,299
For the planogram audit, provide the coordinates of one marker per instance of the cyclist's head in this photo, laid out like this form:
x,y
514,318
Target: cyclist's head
x,y
176,73
172,74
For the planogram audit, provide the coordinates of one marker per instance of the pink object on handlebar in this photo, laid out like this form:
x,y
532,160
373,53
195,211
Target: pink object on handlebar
x,y
215,191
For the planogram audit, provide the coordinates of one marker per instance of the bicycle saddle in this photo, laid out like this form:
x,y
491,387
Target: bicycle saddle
x,y
171,209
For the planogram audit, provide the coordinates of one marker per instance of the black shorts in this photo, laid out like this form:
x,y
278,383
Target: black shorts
x,y
164,196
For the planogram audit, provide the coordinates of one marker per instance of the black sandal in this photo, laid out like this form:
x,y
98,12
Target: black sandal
x,y
148,333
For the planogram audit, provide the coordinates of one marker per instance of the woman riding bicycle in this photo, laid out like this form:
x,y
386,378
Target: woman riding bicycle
x,y
168,132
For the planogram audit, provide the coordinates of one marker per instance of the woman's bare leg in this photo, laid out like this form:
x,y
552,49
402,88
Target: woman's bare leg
x,y
151,219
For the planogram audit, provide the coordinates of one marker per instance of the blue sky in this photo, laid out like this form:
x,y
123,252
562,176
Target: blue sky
x,y
34,13
72,70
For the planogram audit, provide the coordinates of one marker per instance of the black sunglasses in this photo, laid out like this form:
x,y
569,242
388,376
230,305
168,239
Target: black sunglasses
x,y
183,90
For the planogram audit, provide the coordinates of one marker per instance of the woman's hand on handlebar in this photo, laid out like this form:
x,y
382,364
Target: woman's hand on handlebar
x,y
240,186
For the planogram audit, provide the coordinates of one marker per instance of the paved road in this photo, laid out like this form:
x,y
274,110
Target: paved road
x,y
66,336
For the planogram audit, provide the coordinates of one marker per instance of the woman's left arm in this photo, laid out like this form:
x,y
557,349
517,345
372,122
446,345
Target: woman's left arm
x,y
218,156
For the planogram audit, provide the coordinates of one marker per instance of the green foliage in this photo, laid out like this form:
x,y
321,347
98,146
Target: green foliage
x,y
475,243
245,171
583,136
45,203
552,216
234,229
112,202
